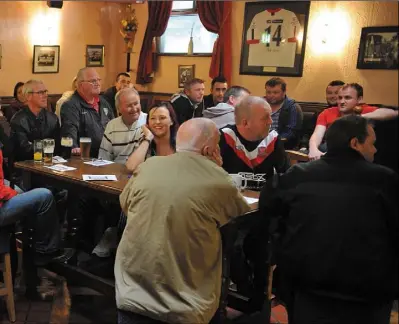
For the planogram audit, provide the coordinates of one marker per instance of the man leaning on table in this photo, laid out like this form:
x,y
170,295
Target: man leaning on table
x,y
248,147
168,266
86,113
350,101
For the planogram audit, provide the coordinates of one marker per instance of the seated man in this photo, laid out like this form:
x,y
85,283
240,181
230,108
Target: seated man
x,y
168,266
33,122
248,148
284,112
121,137
332,92
122,82
350,101
122,134
218,89
37,208
223,114
86,113
339,240
189,103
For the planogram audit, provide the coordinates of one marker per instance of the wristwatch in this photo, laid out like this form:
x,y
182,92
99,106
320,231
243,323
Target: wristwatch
x,y
145,139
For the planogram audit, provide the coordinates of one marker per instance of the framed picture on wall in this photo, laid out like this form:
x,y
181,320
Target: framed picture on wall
x,y
378,48
274,38
95,55
185,73
46,59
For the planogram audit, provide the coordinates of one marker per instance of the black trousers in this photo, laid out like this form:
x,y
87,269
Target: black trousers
x,y
312,309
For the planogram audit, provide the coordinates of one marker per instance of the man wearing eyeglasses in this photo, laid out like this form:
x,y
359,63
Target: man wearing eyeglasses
x,y
33,122
86,113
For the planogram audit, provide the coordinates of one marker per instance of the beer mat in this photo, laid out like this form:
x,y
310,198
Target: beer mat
x,y
60,167
99,162
58,159
250,200
99,177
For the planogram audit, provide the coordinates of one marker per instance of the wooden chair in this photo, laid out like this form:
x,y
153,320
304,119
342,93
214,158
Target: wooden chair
x,y
296,156
7,284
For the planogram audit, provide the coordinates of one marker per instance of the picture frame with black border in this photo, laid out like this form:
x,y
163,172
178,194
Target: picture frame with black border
x,y
274,38
46,59
95,55
378,48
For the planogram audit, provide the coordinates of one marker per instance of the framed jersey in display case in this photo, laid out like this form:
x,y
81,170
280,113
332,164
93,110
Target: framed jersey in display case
x,y
274,38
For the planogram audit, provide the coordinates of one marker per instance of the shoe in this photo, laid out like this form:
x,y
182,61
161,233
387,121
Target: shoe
x,y
107,243
61,256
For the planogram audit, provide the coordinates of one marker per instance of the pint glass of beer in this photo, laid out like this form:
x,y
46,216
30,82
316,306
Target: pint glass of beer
x,y
85,145
48,151
38,151
66,147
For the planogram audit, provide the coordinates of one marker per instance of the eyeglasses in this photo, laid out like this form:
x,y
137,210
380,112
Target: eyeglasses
x,y
40,93
94,81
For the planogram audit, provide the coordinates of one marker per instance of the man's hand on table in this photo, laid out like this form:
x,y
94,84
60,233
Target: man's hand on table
x,y
76,151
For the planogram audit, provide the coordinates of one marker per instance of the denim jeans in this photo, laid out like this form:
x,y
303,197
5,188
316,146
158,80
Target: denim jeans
x,y
37,209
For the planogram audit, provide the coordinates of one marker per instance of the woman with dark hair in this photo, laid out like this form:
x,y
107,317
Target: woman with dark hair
x,y
158,136
19,102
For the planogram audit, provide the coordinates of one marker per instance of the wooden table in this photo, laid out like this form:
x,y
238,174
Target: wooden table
x,y
36,174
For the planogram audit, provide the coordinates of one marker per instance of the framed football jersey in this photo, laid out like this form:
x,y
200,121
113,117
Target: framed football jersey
x,y
274,38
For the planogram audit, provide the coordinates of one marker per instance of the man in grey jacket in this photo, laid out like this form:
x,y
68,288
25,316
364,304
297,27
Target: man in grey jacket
x,y
223,113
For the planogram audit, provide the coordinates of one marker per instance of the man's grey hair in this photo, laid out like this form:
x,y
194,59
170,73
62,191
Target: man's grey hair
x,y
198,133
28,86
235,91
244,108
122,93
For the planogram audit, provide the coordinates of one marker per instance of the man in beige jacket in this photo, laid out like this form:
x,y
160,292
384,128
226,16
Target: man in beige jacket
x,y
168,267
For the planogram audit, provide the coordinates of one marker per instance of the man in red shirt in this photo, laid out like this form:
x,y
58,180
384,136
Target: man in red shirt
x,y
350,101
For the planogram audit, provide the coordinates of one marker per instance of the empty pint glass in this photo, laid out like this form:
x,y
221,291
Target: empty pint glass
x,y
38,151
85,145
66,147
48,151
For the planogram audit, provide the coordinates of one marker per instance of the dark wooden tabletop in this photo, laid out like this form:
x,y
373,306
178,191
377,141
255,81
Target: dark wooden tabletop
x,y
75,176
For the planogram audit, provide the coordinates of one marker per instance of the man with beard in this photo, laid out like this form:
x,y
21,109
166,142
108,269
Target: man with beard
x,y
190,102
218,89
285,112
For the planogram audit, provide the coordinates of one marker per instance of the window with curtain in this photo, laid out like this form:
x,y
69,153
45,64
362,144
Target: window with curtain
x,y
184,23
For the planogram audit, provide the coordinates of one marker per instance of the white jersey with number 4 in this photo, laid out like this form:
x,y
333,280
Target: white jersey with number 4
x,y
272,38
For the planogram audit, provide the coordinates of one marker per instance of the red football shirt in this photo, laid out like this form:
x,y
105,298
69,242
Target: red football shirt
x,y
330,115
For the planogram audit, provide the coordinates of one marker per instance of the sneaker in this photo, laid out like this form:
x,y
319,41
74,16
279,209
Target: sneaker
x,y
108,242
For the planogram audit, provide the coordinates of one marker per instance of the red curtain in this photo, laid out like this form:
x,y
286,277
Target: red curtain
x,y
216,17
158,16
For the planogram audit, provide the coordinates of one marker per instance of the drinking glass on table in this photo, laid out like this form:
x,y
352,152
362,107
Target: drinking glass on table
x,y
48,151
85,145
66,147
38,151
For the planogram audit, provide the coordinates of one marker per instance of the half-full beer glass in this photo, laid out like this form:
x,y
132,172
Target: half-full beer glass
x,y
48,151
66,147
38,151
85,145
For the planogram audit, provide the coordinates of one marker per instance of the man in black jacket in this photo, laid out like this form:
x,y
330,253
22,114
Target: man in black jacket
x,y
122,81
33,122
338,247
190,102
218,89
85,113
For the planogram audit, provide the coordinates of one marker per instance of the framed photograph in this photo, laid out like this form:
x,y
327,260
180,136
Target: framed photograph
x,y
46,59
185,73
274,38
95,55
378,48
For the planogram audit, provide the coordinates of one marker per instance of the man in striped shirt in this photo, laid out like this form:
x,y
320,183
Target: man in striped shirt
x,y
123,134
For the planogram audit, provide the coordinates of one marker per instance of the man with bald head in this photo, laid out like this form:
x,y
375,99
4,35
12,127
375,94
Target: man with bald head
x,y
168,266
248,147
86,113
